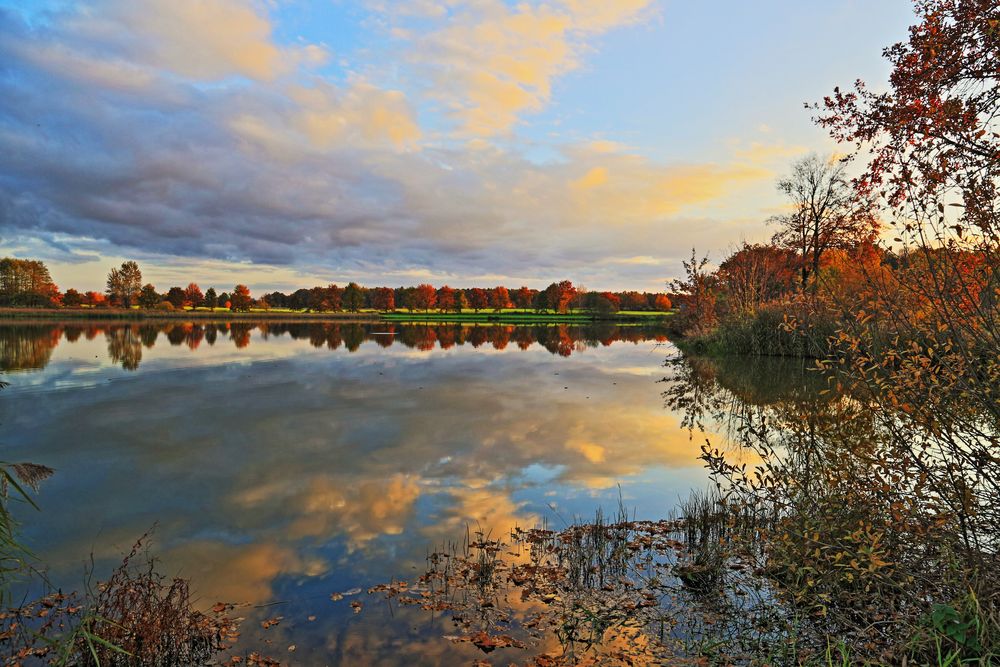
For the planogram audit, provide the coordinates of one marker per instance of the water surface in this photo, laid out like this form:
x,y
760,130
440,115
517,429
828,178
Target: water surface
x,y
283,462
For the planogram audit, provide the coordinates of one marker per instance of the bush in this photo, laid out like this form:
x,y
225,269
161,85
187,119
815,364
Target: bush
x,y
789,329
164,306
136,617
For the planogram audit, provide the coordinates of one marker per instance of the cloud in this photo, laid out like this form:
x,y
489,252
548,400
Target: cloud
x,y
120,148
759,153
197,39
490,62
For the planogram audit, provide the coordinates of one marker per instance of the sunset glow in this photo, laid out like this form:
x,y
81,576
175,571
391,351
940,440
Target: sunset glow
x,y
288,144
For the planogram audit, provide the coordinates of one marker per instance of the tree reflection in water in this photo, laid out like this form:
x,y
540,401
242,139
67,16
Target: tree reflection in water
x,y
30,346
811,539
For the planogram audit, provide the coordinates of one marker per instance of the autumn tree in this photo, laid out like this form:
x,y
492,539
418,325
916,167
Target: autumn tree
x,y
325,298
72,298
461,301
95,299
175,296
826,212
124,284
193,295
662,303
354,298
316,301
148,296
211,299
384,299
522,297
335,297
559,295
446,299
500,298
240,299
478,298
26,282
425,297
696,290
930,151
756,274
604,303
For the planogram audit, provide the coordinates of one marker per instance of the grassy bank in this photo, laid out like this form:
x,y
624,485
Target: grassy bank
x,y
513,316
776,330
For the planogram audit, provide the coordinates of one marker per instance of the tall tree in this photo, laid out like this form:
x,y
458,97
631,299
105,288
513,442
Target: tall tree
x,y
826,213
124,284
522,297
478,298
500,298
384,299
26,282
446,298
425,297
211,298
461,300
193,295
354,298
240,299
559,295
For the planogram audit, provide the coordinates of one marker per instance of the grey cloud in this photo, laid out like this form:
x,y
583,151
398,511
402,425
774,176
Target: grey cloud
x,y
98,147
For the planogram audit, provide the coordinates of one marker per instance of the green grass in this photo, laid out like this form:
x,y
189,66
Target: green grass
x,y
520,315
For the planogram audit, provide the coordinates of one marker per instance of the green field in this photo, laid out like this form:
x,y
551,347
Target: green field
x,y
521,316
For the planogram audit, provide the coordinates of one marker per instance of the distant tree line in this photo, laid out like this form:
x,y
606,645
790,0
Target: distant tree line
x,y
28,283
560,297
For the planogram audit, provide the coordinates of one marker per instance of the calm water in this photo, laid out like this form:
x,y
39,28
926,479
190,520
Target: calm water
x,y
280,463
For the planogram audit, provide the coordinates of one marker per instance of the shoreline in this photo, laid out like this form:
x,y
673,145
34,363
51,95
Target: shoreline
x,y
519,317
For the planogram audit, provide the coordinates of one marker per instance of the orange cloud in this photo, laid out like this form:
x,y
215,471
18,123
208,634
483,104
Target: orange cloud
x,y
238,573
492,62
209,39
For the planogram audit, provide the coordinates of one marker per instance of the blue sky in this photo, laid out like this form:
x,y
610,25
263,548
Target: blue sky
x,y
289,143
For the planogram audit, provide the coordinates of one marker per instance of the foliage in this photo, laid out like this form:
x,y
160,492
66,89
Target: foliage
x,y
25,282
72,298
124,284
827,213
136,617
696,297
175,296
854,545
211,299
193,296
148,297
240,300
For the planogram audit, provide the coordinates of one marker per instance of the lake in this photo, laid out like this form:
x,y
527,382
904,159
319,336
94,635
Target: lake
x,y
279,463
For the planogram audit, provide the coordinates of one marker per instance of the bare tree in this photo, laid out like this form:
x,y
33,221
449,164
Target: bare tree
x,y
826,213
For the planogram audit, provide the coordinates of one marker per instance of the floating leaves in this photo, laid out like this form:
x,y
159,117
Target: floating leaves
x,y
271,622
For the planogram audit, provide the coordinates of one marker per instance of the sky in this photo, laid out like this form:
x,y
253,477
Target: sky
x,y
290,143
